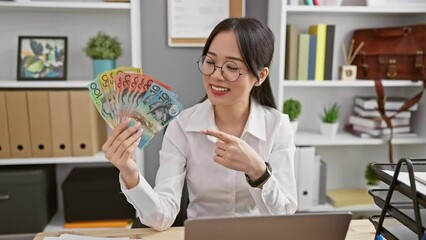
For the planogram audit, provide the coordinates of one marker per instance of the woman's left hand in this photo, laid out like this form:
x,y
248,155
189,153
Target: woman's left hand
x,y
235,153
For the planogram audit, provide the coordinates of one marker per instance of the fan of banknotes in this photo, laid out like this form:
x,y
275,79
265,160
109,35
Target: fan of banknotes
x,y
125,92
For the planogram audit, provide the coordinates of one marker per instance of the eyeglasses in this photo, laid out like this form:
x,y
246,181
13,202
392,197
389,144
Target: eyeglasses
x,y
229,70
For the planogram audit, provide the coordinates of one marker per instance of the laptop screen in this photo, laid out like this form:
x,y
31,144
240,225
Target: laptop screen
x,y
318,226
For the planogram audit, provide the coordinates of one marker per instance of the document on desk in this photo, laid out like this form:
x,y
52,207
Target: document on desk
x,y
80,237
420,178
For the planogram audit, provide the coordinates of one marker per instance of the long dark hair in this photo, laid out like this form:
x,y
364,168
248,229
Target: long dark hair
x,y
256,43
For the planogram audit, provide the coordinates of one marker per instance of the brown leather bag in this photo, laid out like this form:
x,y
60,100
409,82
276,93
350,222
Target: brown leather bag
x,y
391,53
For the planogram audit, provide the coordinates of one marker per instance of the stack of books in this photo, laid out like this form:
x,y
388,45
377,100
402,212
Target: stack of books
x,y
366,120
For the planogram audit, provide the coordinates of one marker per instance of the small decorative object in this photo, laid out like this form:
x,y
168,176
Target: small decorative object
x,y
370,175
292,108
329,124
42,58
104,50
348,71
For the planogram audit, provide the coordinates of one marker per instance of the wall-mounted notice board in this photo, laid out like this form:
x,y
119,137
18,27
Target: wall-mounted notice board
x,y
191,21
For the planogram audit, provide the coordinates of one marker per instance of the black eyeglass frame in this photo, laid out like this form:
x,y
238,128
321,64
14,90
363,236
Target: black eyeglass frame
x,y
215,67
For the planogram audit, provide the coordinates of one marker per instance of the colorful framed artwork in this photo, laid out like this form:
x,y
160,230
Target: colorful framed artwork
x,y
42,58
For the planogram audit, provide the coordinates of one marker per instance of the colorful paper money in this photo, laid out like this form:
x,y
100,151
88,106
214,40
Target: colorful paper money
x,y
125,92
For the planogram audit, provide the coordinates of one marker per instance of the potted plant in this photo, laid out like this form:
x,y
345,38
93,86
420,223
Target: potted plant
x,y
104,50
370,175
330,117
292,108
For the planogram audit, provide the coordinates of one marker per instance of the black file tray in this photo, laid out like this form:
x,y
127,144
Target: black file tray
x,y
392,229
402,201
400,207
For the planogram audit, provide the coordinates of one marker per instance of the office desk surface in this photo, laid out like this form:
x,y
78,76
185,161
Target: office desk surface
x,y
358,230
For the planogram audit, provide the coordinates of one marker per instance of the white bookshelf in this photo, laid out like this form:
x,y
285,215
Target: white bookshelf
x,y
78,20
342,138
69,84
345,155
355,10
97,158
355,208
357,83
63,5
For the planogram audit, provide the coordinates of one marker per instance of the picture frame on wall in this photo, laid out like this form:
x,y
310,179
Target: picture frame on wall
x,y
42,58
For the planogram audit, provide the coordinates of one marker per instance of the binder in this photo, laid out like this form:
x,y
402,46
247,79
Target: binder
x,y
87,128
19,127
4,129
60,117
40,127
322,196
306,190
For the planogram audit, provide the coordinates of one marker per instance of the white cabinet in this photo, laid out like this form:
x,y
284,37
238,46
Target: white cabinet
x,y
346,155
77,20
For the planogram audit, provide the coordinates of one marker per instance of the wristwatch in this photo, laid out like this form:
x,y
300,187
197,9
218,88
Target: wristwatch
x,y
261,179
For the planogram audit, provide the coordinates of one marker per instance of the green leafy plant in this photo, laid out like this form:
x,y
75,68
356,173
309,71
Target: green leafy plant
x,y
292,108
370,175
331,115
103,46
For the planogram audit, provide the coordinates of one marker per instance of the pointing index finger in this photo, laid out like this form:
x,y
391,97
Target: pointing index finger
x,y
218,134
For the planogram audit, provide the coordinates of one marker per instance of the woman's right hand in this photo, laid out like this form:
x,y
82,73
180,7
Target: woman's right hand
x,y
119,149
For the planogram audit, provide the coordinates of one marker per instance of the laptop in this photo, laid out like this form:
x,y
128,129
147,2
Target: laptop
x,y
318,226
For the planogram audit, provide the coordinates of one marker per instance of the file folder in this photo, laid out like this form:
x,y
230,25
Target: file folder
x,y
306,189
60,117
19,127
4,129
40,128
86,129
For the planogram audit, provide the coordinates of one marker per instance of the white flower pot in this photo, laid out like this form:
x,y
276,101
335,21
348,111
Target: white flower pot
x,y
329,129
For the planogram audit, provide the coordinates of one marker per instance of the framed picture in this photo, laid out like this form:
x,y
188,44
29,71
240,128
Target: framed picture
x,y
42,58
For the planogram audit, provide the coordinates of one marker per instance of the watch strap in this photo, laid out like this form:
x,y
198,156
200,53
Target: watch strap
x,y
261,179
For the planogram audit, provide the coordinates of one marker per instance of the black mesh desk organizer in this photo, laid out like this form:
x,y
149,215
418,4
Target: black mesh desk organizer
x,y
403,213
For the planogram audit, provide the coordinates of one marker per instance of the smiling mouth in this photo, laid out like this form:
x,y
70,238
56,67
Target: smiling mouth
x,y
220,89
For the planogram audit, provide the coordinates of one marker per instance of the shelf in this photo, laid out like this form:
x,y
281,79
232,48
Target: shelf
x,y
64,5
358,83
56,224
98,158
356,208
12,84
355,9
345,138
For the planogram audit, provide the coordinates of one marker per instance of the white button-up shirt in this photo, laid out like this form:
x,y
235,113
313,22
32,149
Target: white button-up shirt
x,y
214,190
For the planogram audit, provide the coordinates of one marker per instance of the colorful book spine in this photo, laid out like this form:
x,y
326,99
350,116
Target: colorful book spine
x,y
320,31
303,57
292,33
312,56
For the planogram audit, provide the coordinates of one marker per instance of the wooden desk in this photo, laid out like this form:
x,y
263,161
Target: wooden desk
x,y
358,230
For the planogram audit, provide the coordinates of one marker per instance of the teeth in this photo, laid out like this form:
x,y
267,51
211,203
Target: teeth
x,y
219,89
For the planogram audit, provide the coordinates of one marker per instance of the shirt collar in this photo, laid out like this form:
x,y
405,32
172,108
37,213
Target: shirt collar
x,y
203,118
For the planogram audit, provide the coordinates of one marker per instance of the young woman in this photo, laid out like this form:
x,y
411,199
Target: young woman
x,y
234,150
